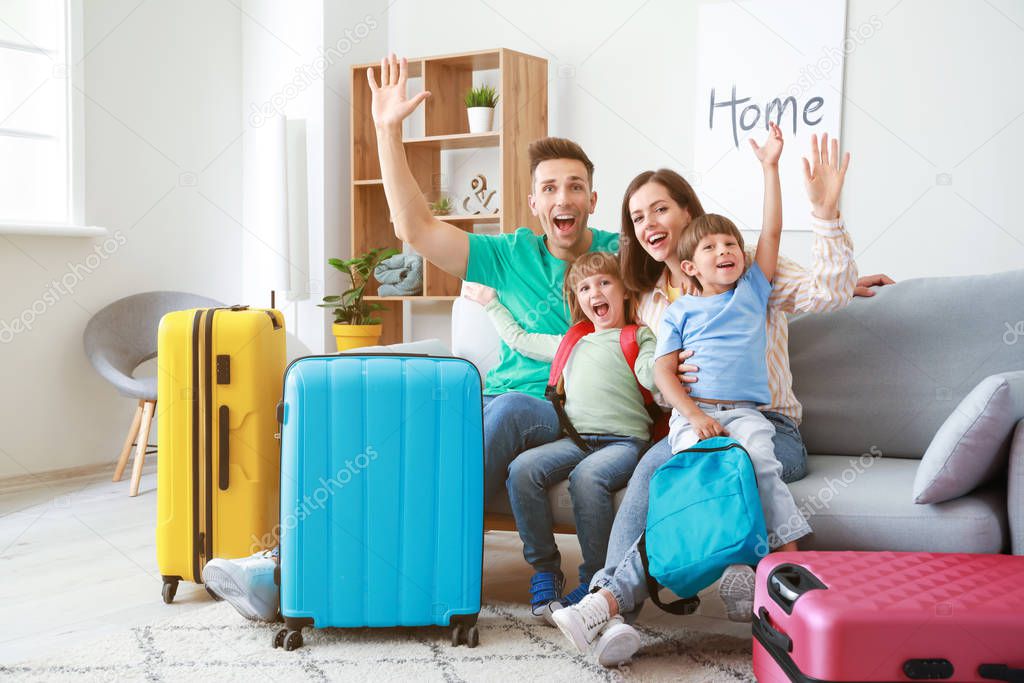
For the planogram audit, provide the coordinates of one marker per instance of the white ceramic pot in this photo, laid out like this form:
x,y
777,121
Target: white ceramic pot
x,y
480,119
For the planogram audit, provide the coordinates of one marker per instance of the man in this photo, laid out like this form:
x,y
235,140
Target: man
x,y
525,268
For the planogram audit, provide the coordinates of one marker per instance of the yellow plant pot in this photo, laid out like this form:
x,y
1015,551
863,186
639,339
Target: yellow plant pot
x,y
355,336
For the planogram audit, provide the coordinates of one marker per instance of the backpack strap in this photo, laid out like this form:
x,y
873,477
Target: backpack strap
x,y
631,350
555,391
680,607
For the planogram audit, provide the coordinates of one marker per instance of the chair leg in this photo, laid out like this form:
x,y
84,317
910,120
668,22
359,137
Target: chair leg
x,y
126,450
140,447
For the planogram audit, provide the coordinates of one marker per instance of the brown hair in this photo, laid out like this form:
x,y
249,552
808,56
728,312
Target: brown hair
x,y
594,263
708,224
640,271
546,149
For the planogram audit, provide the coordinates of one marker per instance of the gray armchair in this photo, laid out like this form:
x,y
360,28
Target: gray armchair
x,y
118,339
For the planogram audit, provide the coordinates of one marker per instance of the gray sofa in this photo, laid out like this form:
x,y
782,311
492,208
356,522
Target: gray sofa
x,y
877,380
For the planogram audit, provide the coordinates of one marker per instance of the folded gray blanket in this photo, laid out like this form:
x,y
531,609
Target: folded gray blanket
x,y
400,275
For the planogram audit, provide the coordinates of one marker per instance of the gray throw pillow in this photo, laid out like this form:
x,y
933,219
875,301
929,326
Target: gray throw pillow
x,y
971,445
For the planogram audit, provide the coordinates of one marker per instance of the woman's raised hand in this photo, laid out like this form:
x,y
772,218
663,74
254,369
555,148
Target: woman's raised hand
x,y
824,176
389,105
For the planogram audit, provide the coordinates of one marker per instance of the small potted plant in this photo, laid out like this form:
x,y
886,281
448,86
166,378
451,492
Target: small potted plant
x,y
442,207
480,108
354,325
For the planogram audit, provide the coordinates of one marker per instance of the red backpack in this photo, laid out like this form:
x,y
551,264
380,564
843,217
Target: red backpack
x,y
555,391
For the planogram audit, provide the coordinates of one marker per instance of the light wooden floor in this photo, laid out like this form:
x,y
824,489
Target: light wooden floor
x,y
78,560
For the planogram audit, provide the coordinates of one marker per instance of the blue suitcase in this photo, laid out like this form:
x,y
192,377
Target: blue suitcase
x,y
381,494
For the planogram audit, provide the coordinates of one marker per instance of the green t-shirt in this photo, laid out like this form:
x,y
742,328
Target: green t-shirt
x,y
529,282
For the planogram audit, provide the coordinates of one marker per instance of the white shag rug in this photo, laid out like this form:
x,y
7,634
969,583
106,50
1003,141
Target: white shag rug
x,y
215,644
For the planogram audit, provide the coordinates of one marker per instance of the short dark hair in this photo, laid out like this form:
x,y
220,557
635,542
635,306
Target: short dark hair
x,y
706,225
546,149
640,272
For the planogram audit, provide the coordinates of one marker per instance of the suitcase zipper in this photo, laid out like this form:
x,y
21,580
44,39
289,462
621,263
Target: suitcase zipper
x,y
208,379
197,538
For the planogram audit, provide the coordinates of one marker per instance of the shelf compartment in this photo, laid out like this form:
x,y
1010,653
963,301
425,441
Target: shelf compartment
x,y
420,297
456,141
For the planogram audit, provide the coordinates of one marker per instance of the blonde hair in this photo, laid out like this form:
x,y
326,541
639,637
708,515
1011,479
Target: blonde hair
x,y
594,263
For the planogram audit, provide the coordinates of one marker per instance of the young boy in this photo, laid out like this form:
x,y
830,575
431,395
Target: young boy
x,y
725,326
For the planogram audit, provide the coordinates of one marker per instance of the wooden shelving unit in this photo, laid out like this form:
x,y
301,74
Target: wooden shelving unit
x,y
521,118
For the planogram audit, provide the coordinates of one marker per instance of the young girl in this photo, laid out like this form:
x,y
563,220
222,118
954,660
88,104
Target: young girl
x,y
604,404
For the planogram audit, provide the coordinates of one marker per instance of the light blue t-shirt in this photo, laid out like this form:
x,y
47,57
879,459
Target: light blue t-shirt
x,y
726,333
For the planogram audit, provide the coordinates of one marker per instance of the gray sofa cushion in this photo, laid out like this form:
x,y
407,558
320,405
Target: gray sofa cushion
x,y
971,445
862,504
888,370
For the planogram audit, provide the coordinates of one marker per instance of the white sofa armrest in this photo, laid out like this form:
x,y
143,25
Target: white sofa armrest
x,y
473,335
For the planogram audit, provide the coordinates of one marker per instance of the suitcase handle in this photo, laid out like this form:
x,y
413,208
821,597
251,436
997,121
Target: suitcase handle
x,y
770,637
222,447
788,582
1001,672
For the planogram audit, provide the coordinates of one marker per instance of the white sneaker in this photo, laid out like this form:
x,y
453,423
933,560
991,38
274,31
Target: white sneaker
x,y
246,583
582,623
737,592
618,643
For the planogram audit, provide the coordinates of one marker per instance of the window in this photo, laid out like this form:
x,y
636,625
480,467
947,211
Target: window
x,y
36,169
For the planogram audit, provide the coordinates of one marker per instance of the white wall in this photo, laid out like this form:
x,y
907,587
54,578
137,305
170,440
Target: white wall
x,y
163,174
931,92
281,78
357,33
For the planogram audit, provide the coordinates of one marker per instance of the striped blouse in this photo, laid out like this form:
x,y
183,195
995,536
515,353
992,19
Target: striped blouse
x,y
827,286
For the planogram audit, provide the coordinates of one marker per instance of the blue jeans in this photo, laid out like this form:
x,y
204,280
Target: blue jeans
x,y
631,518
593,480
513,423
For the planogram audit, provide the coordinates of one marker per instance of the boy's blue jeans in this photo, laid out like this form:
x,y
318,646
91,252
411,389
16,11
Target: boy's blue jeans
x,y
594,478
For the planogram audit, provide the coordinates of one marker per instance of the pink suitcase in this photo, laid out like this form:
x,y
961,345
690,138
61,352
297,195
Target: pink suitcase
x,y
859,616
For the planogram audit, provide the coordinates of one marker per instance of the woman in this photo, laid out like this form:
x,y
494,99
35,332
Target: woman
x,y
656,210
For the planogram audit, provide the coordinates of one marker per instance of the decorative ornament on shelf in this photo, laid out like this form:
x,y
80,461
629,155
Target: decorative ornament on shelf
x,y
480,108
400,275
483,198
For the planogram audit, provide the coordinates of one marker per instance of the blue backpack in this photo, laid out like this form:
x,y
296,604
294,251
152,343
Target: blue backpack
x,y
704,514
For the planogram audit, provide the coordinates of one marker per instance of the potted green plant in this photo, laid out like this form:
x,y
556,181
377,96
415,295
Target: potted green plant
x,y
442,207
354,324
480,108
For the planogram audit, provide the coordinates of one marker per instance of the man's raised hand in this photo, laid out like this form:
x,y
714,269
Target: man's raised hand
x,y
390,106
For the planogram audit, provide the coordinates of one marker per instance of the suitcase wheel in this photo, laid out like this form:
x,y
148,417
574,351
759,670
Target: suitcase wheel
x,y
470,636
293,640
168,591
288,639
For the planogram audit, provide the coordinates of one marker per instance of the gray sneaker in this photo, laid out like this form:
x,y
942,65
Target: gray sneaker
x,y
247,584
737,592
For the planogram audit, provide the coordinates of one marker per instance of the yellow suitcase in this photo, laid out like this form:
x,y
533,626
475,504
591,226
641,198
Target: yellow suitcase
x,y
219,381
